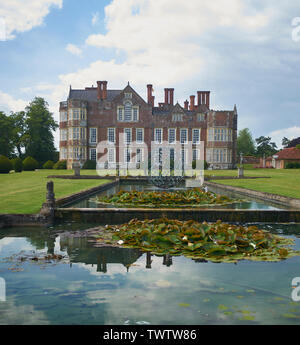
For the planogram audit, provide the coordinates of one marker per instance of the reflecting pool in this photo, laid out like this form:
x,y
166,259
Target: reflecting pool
x,y
247,203
126,286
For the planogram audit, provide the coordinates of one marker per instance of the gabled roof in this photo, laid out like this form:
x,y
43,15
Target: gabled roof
x,y
290,153
91,94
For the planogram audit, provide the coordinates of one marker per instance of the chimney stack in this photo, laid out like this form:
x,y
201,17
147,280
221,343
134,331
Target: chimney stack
x,y
150,98
101,90
186,105
166,96
169,96
203,98
192,103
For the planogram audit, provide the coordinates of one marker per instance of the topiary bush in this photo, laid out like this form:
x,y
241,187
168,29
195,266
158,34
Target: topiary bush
x,y
30,164
89,164
5,165
60,165
48,165
17,164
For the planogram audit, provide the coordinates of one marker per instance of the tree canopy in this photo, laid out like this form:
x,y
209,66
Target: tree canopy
x,y
245,142
265,146
29,132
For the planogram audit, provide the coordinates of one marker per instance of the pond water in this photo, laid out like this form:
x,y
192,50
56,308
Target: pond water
x,y
247,203
125,286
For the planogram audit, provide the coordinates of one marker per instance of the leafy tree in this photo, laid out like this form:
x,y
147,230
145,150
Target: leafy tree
x,y
19,136
39,126
265,146
285,142
294,142
245,142
6,128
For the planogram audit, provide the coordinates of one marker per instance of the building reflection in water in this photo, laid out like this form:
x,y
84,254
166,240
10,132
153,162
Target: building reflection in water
x,y
80,250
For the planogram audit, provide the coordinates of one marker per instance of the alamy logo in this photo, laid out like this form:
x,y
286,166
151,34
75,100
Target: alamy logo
x,y
2,29
2,290
296,289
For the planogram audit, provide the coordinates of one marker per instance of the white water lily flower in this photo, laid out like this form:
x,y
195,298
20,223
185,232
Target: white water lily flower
x,y
120,242
184,238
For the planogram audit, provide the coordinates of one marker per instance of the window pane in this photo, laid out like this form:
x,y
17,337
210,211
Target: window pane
x,y
135,114
158,135
140,135
128,111
183,136
93,135
172,133
111,135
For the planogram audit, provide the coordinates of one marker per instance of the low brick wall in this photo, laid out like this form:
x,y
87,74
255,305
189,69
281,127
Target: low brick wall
x,y
80,195
122,215
15,220
274,198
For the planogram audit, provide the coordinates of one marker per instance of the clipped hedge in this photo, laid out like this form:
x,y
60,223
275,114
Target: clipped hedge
x,y
60,165
292,165
17,164
30,164
89,164
48,165
5,165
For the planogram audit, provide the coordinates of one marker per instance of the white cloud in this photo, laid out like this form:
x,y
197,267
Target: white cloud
x,y
23,15
290,133
95,18
73,49
9,103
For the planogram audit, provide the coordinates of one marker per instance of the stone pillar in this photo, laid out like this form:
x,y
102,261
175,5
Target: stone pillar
x,y
240,172
48,207
76,168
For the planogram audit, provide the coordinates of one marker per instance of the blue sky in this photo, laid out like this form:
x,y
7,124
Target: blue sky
x,y
246,52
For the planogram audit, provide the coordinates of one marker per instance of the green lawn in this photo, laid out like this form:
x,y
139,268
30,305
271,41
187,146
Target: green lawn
x,y
26,191
283,181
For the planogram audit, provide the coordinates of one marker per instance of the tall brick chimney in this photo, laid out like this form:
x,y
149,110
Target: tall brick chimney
x,y
166,96
208,99
150,98
186,105
101,90
203,98
192,103
169,96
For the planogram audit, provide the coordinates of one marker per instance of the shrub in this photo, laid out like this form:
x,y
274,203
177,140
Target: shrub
x,y
89,164
30,164
5,165
292,165
206,165
48,165
60,165
17,164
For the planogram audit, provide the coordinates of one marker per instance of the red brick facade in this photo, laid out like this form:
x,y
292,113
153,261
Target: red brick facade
x,y
88,114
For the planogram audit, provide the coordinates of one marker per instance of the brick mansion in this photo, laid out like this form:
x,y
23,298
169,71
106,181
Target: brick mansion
x,y
96,114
